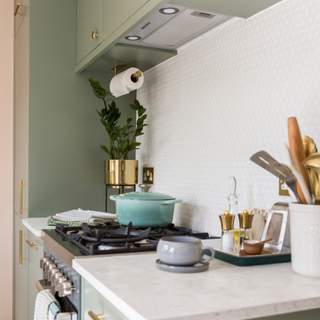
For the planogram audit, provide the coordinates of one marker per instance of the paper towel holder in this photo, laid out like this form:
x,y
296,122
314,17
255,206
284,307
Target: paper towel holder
x,y
135,77
118,67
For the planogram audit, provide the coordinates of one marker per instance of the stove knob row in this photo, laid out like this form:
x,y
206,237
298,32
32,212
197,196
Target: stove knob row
x,y
43,260
65,289
45,263
49,267
51,272
58,281
54,275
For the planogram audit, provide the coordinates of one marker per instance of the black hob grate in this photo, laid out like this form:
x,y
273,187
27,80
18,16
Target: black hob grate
x,y
112,237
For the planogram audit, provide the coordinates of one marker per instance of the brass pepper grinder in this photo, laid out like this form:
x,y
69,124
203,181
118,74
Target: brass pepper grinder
x,y
245,222
227,234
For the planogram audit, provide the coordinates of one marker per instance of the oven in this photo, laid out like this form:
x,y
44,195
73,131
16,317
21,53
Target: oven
x,y
66,243
63,281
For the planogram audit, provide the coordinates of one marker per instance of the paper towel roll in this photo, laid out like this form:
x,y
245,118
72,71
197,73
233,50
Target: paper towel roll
x,y
122,83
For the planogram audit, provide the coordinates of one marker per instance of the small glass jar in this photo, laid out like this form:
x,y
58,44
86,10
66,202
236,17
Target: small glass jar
x,y
227,234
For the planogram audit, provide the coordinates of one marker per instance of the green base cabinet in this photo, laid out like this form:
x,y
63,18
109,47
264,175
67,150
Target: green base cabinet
x,y
93,301
35,253
20,270
308,314
26,270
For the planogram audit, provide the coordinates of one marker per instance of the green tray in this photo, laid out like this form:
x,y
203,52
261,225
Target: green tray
x,y
283,256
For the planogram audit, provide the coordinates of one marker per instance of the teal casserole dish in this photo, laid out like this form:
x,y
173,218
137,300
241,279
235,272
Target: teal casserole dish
x,y
144,209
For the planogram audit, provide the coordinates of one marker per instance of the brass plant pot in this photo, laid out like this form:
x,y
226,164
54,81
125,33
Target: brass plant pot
x,y
120,173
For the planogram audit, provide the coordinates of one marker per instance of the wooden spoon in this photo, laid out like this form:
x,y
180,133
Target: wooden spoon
x,y
297,173
296,147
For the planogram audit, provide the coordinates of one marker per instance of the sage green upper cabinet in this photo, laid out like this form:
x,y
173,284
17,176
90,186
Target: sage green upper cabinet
x,y
89,27
115,13
118,18
57,133
21,114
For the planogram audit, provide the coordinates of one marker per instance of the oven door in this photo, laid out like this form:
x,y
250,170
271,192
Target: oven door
x,y
68,312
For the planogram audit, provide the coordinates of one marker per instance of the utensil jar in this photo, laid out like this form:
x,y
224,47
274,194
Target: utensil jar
x,y
305,238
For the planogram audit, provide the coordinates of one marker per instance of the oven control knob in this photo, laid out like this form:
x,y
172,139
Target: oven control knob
x,y
58,281
65,289
45,263
54,276
51,272
42,261
48,268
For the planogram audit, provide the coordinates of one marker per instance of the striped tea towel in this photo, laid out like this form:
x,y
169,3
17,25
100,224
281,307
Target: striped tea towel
x,y
53,311
53,220
44,299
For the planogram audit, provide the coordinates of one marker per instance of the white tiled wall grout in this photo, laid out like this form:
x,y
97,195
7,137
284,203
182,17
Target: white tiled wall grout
x,y
225,96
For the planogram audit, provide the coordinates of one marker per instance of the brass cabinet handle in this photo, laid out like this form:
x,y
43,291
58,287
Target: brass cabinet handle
x,y
20,248
20,197
31,244
95,316
94,35
17,9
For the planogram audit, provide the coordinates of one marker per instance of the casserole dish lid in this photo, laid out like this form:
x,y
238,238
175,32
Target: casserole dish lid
x,y
144,195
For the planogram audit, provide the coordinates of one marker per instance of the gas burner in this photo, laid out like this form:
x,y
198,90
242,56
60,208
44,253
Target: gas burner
x,y
112,246
112,237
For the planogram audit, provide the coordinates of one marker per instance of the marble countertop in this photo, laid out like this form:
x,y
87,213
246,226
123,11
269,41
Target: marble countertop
x,y
134,285
35,225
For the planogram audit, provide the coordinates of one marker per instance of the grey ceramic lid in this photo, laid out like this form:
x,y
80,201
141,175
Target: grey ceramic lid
x,y
144,195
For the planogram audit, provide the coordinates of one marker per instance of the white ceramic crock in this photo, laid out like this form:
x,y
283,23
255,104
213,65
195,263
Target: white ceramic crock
x,y
305,239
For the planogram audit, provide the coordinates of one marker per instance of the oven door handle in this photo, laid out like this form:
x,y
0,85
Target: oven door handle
x,y
66,316
60,315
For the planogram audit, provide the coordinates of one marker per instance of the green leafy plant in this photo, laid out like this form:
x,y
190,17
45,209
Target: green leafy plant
x,y
121,139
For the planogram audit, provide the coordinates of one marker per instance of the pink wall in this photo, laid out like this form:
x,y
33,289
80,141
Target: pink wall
x,y
6,156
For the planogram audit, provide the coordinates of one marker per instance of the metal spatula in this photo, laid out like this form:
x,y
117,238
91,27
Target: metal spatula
x,y
264,160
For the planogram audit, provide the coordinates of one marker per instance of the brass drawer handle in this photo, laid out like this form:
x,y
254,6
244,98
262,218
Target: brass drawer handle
x,y
31,244
20,248
95,316
94,35
17,9
20,197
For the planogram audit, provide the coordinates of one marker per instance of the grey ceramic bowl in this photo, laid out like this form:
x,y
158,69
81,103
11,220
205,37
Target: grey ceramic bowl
x,y
182,250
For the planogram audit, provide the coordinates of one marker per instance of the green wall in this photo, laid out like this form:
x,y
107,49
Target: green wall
x,y
65,160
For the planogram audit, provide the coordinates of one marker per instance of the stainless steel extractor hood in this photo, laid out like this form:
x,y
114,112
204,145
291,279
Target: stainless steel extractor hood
x,y
173,26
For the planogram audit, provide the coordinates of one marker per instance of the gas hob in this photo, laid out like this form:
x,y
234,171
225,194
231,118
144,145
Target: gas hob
x,y
109,238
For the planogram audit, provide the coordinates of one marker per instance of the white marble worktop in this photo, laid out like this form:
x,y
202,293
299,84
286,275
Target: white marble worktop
x,y
35,225
135,286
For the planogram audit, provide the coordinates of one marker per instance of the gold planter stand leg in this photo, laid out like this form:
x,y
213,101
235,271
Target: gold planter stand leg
x,y
120,188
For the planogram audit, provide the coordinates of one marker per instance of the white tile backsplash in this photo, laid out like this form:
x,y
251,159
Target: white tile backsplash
x,y
227,95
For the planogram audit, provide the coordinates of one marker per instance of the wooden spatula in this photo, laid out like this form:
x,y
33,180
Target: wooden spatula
x,y
297,150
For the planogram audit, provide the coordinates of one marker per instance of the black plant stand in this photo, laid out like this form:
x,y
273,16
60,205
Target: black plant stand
x,y
122,187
